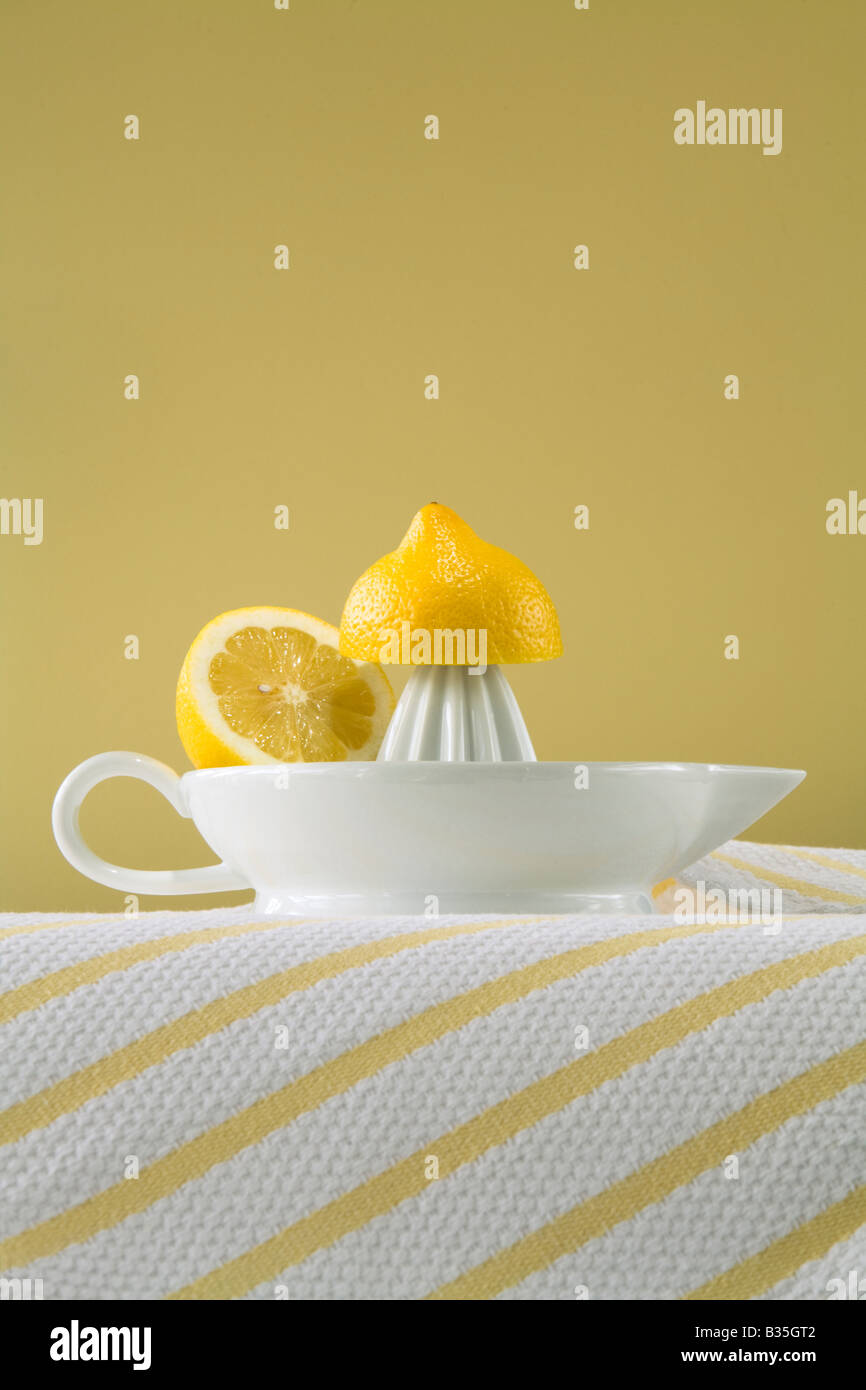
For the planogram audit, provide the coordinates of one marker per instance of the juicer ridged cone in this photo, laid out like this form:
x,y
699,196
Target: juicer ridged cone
x,y
457,714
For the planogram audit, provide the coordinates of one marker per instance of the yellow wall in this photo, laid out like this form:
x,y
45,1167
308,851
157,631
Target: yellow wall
x,y
453,257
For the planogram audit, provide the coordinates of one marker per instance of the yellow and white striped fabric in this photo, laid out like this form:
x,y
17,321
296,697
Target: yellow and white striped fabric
x,y
808,880
203,1105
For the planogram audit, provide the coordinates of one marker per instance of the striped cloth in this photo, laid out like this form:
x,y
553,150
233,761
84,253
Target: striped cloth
x,y
203,1105
808,880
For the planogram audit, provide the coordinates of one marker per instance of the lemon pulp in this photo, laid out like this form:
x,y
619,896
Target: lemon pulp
x,y
291,696
263,685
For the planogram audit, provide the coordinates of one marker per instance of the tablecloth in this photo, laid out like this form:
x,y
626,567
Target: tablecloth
x,y
211,1105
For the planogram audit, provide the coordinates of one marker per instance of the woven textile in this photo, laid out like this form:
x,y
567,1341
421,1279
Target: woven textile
x,y
210,1105
808,880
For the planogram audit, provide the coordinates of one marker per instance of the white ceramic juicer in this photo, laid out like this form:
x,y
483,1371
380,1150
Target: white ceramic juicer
x,y
481,827
456,815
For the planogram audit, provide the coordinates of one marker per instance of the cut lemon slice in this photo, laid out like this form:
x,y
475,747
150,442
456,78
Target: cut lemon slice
x,y
269,685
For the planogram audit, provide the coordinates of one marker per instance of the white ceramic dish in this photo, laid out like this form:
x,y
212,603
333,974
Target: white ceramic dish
x,y
353,838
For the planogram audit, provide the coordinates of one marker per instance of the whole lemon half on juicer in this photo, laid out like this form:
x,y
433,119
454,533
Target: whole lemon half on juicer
x,y
443,577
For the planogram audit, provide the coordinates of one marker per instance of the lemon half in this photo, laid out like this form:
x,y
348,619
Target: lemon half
x,y
444,578
269,685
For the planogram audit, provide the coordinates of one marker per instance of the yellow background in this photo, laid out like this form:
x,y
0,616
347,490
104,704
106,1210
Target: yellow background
x,y
410,257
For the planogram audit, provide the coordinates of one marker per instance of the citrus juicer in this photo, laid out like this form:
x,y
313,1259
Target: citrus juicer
x,y
456,814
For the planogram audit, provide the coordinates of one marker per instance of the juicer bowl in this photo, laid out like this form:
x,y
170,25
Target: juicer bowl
x,y
363,839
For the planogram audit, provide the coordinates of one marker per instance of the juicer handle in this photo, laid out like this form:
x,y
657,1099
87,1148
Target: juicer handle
x,y
212,878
